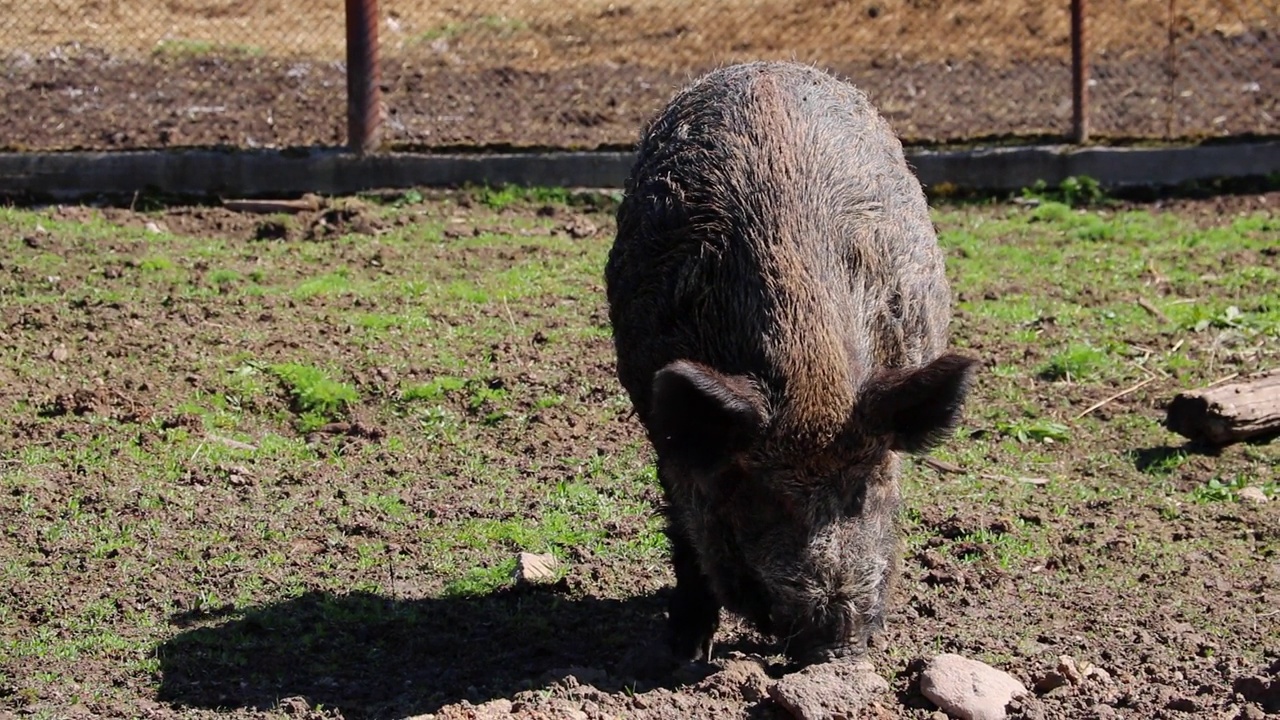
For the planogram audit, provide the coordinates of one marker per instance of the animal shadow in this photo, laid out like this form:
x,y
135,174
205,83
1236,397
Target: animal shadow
x,y
370,655
1163,458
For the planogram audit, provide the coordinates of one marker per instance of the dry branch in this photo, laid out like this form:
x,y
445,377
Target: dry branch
x,y
941,466
1228,413
1116,396
307,203
1151,309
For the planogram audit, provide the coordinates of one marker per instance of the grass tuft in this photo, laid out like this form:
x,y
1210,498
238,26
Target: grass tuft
x,y
316,397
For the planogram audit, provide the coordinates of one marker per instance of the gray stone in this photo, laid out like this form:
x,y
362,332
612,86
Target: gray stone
x,y
968,689
829,691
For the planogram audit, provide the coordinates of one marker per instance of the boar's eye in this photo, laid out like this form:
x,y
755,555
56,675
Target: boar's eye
x,y
916,408
853,505
702,417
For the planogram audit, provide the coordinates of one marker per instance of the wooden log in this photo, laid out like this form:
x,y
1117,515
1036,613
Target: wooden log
x,y
1248,408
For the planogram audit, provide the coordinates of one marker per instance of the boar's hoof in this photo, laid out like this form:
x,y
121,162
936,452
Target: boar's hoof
x,y
688,646
692,618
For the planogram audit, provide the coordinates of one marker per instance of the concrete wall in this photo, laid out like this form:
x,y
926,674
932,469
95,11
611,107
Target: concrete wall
x,y
267,173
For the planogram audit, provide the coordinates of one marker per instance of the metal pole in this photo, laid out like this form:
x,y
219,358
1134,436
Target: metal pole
x,y
1171,71
1079,75
364,77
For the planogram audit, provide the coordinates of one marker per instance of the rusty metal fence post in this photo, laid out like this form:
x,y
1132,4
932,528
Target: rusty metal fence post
x,y
364,101
1079,75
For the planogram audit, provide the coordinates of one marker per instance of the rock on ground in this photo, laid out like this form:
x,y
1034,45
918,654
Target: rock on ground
x,y
830,691
534,568
1252,494
968,689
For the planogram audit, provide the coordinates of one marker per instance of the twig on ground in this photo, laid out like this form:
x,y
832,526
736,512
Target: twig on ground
x,y
1006,478
1149,372
1223,379
1153,310
1116,396
308,203
941,466
230,442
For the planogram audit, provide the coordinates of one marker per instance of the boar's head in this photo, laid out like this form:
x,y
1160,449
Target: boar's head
x,y
799,539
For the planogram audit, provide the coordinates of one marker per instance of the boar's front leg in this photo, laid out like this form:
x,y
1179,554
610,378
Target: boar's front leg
x,y
693,613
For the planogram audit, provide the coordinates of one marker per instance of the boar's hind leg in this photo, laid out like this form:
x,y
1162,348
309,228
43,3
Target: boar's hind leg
x,y
693,613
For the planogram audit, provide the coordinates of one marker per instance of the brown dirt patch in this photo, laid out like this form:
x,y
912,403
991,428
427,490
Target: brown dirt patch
x,y
588,74
169,572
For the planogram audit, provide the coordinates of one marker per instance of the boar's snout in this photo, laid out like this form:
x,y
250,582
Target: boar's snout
x,y
833,603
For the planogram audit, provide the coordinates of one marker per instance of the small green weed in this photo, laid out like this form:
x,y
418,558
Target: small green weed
x,y
1229,317
1039,430
1161,462
503,196
394,200
155,264
222,278
548,401
334,283
433,390
1052,212
481,581
1216,490
1010,546
1075,191
1092,228
317,397
1077,362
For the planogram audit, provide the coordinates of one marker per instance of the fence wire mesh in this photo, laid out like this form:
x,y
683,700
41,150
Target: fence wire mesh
x,y
113,74
1180,68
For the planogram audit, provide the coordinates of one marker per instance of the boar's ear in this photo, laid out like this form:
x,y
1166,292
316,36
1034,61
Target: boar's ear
x,y
700,416
917,407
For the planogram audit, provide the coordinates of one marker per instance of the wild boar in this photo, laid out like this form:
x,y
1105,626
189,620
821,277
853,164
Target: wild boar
x,y
780,314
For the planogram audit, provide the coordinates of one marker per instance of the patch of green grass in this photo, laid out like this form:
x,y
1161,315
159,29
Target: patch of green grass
x,y
1037,430
1076,362
1073,191
156,530
224,277
1159,463
316,397
1219,490
386,504
548,401
329,284
1010,546
385,321
433,390
481,580
155,264
504,196
394,200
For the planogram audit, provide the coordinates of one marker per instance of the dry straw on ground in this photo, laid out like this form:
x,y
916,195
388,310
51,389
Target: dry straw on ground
x,y
541,35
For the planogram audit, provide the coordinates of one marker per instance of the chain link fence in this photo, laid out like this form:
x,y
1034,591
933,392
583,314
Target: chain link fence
x,y
1183,69
131,74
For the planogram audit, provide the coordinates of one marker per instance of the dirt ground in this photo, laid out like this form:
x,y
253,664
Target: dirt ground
x,y
273,584
587,74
